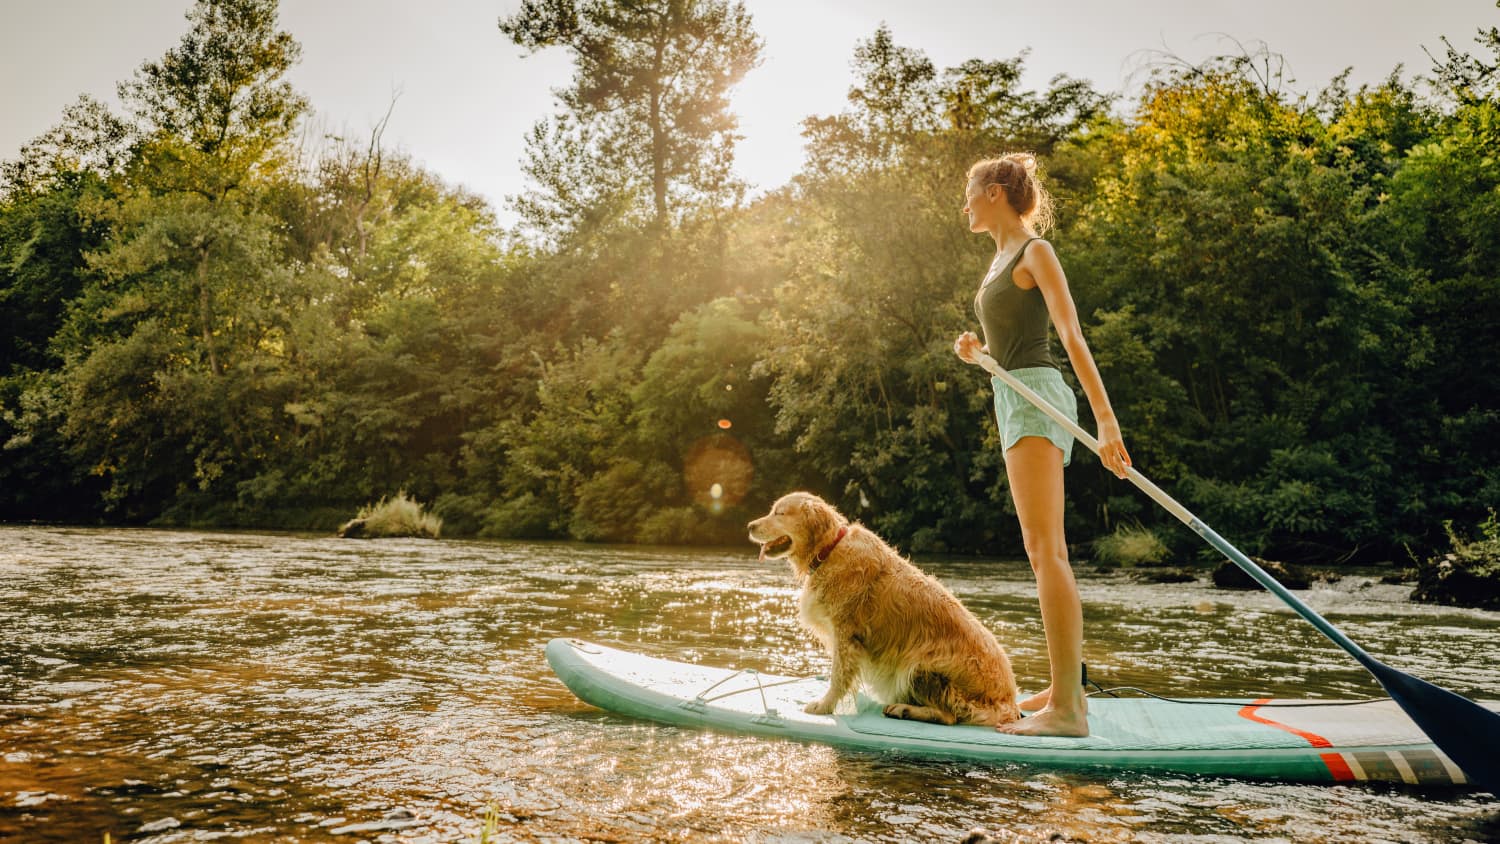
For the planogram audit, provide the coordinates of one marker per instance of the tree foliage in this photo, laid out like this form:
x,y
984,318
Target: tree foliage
x,y
647,113
1293,299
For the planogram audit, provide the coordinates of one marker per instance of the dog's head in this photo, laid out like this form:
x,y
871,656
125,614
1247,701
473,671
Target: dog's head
x,y
798,525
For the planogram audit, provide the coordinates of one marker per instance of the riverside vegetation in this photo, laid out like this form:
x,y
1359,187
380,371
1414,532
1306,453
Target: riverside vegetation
x,y
212,320
1466,576
399,516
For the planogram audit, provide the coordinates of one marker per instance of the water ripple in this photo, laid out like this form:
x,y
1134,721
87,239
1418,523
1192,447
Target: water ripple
x,y
186,686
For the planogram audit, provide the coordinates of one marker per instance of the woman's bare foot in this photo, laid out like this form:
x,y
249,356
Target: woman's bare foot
x,y
1037,701
1049,722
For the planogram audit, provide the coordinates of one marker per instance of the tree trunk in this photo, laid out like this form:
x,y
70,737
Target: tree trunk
x,y
658,134
206,311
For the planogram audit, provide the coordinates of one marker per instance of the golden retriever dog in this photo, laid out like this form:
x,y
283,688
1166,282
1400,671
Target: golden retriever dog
x,y
885,622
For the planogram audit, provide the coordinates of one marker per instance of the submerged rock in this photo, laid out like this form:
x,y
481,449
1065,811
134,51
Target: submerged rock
x,y
1165,575
1403,577
1327,576
1230,576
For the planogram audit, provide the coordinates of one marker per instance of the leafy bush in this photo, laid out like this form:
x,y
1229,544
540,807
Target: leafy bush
x,y
462,515
672,526
399,516
612,504
1467,576
523,517
1130,546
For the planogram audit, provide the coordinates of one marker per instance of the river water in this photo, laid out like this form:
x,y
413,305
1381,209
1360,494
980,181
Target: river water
x,y
190,686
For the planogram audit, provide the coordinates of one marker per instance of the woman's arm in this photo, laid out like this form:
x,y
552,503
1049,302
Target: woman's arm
x,y
1040,267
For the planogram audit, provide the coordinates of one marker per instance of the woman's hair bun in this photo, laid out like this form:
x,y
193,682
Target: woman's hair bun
x,y
1016,174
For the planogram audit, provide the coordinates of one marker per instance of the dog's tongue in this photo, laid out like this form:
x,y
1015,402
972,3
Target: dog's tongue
x,y
763,552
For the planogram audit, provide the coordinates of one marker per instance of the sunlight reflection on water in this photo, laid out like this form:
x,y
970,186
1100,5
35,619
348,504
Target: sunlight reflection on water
x,y
181,686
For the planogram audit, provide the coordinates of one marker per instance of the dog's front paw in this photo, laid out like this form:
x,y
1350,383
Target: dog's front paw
x,y
820,707
897,710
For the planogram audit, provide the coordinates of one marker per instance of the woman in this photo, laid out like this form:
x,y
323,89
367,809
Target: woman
x,y
1025,286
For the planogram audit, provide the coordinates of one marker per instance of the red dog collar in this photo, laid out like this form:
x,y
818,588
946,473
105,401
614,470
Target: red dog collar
x,y
823,554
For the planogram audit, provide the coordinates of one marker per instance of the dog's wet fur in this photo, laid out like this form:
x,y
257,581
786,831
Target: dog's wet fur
x,y
885,622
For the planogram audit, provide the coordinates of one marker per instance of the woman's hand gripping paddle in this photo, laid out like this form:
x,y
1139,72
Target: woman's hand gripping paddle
x,y
1467,732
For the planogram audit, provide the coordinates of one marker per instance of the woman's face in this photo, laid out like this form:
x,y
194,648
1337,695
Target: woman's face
x,y
980,205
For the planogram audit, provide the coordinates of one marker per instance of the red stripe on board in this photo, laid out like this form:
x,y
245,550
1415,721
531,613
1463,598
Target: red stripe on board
x,y
1337,766
1312,738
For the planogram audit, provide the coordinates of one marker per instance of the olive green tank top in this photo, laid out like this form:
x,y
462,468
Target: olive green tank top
x,y
1014,320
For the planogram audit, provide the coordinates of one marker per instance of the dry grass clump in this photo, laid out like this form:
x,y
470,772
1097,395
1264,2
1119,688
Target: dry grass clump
x,y
399,516
1130,546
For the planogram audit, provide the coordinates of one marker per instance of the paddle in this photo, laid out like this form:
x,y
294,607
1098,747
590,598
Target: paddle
x,y
1467,732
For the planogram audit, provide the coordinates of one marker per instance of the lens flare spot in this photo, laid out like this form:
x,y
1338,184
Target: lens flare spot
x,y
725,424
728,388
719,470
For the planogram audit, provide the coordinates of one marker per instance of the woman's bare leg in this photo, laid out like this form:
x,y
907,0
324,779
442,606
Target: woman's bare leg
x,y
1034,467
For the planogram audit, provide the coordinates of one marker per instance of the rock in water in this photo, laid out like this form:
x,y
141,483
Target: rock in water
x,y
1230,576
1467,577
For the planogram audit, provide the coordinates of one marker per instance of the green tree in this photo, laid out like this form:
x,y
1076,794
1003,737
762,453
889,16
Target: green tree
x,y
900,99
1259,309
700,408
577,433
218,106
174,347
45,232
1439,218
648,103
45,228
43,239
894,100
91,139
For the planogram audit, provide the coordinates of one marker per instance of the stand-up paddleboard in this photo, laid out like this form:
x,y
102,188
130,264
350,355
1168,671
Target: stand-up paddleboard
x,y
1304,741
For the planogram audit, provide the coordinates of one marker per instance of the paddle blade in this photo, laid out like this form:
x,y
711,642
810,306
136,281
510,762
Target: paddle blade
x,y
1468,733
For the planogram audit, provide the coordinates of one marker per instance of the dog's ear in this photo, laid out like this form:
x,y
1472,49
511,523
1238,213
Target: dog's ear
x,y
820,519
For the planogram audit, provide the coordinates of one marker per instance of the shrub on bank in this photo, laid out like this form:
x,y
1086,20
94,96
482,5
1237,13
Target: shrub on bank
x,y
1467,576
462,514
399,516
524,517
671,526
1130,546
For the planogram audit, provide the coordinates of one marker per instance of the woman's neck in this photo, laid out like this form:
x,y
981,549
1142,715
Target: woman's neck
x,y
1011,237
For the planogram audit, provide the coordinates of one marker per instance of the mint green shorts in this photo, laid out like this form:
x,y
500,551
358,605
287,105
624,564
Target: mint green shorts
x,y
1019,418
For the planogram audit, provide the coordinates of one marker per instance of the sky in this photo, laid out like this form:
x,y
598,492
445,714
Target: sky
x,y
467,95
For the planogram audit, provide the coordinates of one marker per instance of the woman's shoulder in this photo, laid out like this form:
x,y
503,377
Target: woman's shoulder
x,y
1038,260
1038,248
